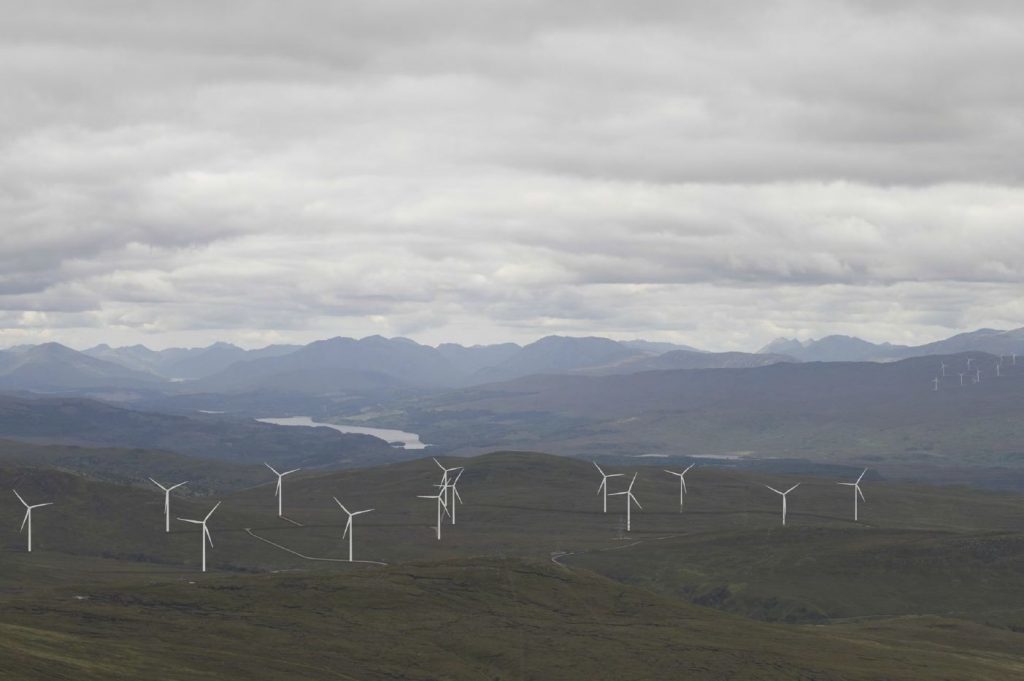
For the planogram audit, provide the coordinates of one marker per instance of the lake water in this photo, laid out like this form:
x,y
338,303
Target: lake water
x,y
408,440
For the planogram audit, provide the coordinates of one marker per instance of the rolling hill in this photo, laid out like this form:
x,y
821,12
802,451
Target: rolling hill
x,y
210,436
533,582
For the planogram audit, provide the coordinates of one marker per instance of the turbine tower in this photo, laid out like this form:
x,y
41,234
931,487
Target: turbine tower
x,y
440,503
856,491
682,483
630,499
348,525
783,494
167,501
603,487
205,536
28,516
277,490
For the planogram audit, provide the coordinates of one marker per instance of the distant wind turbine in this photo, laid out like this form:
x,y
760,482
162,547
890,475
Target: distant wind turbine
x,y
348,525
962,379
977,378
943,368
446,486
682,483
278,492
856,491
935,383
998,370
167,501
783,494
28,516
603,487
969,360
630,499
205,536
440,497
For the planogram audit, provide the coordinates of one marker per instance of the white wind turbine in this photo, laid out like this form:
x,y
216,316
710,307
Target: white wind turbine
x,y
682,483
962,378
943,368
856,491
603,487
969,360
783,494
448,487
167,501
440,497
348,525
629,498
28,516
277,490
935,385
977,378
205,536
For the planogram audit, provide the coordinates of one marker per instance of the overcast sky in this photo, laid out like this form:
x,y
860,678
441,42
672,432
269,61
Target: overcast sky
x,y
712,173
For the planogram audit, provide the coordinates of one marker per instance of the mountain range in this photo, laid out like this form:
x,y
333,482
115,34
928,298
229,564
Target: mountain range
x,y
375,367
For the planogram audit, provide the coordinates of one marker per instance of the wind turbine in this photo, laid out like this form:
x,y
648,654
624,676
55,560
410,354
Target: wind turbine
x,y
783,494
943,368
682,483
962,379
998,370
448,487
454,493
440,502
629,498
603,487
28,516
935,386
348,525
278,491
856,492
206,531
977,378
167,501
969,360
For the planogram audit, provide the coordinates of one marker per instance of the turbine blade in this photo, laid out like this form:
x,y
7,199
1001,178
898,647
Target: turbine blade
x,y
48,503
617,494
457,495
632,482
294,470
687,469
604,481
277,490
348,526
598,468
340,504
177,486
860,493
847,484
158,484
669,472
211,512
271,468
19,498
773,489
636,502
456,480
862,475
362,512
209,537
28,512
792,488
189,520
439,465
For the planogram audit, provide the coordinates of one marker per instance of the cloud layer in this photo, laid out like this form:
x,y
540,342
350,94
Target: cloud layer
x,y
482,171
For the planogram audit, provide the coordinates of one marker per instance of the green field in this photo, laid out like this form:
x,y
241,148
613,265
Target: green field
x,y
532,582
